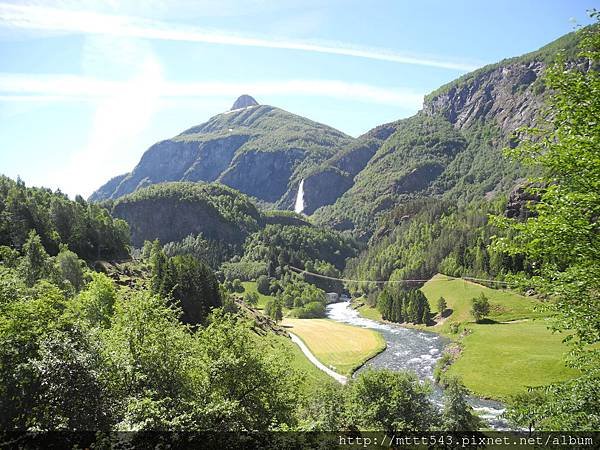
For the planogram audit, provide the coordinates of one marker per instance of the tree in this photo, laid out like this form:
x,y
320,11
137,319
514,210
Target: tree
x,y
390,401
35,263
441,305
263,285
426,314
251,298
70,267
480,307
95,303
457,414
192,285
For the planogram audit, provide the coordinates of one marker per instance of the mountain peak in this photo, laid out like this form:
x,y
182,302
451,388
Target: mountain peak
x,y
244,101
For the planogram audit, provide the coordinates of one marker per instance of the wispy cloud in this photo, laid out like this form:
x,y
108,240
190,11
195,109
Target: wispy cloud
x,y
86,22
28,87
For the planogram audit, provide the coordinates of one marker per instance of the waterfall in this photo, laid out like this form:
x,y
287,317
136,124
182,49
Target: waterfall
x,y
299,206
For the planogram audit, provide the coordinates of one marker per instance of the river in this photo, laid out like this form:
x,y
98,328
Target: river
x,y
413,350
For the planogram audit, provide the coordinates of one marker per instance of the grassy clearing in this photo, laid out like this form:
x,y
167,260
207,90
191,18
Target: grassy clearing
x,y
504,305
250,286
499,360
311,376
341,347
369,313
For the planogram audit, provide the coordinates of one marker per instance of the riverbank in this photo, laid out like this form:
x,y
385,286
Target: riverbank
x,y
505,355
341,348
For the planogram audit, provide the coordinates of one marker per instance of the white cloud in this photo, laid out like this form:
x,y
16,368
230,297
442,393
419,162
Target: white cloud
x,y
22,87
86,22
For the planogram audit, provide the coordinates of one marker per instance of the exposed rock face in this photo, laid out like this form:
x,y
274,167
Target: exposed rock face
x,y
503,95
173,211
244,101
256,150
519,203
170,221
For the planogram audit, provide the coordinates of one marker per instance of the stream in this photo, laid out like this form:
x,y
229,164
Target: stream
x,y
416,351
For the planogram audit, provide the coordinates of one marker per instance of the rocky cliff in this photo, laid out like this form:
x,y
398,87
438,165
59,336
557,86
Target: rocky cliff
x,y
257,149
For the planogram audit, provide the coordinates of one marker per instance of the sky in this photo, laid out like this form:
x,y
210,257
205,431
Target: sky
x,y
86,86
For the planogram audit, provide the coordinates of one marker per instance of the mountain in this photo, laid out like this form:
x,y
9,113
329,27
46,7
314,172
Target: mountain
x,y
451,149
259,150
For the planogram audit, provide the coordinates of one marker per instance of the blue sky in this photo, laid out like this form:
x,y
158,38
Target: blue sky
x,y
86,86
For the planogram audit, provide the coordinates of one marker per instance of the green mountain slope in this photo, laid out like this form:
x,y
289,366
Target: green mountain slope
x,y
451,149
260,150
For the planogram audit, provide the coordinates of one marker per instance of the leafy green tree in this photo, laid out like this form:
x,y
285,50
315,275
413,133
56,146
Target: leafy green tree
x,y
95,304
70,267
251,298
192,285
250,385
441,305
71,394
35,263
480,307
390,401
263,285
561,236
457,414
426,313
325,409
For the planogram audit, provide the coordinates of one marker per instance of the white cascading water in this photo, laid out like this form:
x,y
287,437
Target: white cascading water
x,y
299,206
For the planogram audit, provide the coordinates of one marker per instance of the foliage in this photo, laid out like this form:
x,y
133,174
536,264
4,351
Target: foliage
x,y
243,270
457,414
420,239
273,309
189,282
251,298
441,305
87,229
208,251
562,237
278,246
263,285
390,401
480,307
399,305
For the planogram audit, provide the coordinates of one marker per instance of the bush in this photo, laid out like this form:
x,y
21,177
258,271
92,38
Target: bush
x,y
312,310
480,308
263,285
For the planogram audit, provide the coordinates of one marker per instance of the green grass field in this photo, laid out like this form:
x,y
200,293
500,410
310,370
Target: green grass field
x,y
311,376
504,305
250,286
498,359
341,347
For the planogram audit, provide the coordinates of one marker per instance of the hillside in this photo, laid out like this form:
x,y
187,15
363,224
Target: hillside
x,y
259,150
171,211
451,149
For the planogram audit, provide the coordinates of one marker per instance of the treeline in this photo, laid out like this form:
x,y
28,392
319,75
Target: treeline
x,y
400,305
280,245
86,228
420,239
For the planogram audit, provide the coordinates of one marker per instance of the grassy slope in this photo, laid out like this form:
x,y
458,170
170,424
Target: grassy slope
x,y
311,376
342,347
250,286
498,360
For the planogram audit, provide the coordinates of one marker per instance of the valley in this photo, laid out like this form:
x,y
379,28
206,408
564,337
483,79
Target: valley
x,y
264,272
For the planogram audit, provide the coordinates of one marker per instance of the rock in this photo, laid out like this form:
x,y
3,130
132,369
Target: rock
x,y
244,101
519,203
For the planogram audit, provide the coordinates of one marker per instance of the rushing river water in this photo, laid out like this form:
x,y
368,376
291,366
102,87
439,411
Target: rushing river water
x,y
413,350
